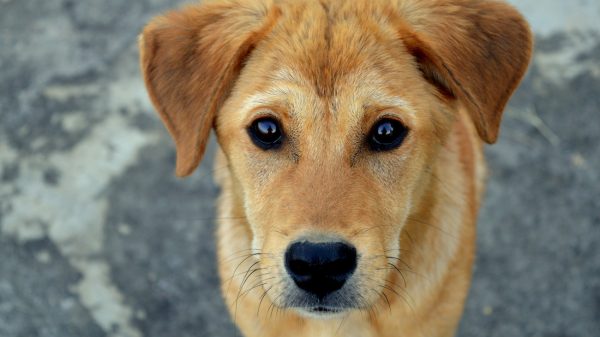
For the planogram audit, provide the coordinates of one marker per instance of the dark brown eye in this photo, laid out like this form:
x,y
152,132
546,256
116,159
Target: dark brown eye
x,y
387,134
266,133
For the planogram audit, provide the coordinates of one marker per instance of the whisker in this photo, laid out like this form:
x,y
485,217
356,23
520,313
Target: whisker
x,y
261,282
402,275
242,287
262,298
408,270
245,278
363,231
405,231
387,301
199,219
232,257
400,260
210,172
392,287
442,184
396,250
280,233
398,294
433,226
233,274
339,328
270,311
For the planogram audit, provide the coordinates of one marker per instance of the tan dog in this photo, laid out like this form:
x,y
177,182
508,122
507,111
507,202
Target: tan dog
x,y
350,154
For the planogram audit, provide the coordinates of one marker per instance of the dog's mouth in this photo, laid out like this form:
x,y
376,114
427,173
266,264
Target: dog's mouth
x,y
321,311
332,307
325,310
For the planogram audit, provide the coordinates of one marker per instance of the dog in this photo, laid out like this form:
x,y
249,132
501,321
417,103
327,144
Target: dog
x,y
350,155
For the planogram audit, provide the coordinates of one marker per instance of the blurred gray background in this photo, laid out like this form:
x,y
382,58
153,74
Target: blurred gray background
x,y
98,238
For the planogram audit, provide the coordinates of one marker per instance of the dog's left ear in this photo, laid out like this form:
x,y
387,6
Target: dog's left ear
x,y
475,51
190,59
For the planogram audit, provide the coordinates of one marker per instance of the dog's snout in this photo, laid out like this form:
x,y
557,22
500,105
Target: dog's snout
x,y
320,268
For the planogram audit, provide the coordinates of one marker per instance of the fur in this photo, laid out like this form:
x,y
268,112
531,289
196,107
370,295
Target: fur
x,y
328,70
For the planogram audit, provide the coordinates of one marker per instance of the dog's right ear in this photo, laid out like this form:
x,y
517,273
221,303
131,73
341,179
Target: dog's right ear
x,y
190,59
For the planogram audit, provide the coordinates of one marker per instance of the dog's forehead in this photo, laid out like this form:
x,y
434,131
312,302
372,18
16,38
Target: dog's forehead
x,y
326,41
330,57
357,91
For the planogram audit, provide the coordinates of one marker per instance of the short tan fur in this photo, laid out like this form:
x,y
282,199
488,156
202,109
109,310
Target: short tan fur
x,y
327,71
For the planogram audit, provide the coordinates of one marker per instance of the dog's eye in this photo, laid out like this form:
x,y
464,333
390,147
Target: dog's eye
x,y
387,134
266,133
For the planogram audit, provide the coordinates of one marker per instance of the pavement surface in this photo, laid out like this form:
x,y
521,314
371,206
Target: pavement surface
x,y
98,238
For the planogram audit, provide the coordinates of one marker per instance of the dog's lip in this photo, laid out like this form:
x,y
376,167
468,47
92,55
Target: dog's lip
x,y
324,310
320,312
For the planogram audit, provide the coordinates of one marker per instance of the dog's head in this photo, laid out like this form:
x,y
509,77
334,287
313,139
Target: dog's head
x,y
330,114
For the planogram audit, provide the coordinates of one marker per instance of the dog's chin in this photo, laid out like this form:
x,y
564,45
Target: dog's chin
x,y
321,312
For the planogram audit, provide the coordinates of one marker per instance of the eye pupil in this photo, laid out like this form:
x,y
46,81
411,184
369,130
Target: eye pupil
x,y
265,133
387,134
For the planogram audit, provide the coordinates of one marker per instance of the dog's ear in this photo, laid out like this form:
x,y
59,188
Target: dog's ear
x,y
190,59
475,51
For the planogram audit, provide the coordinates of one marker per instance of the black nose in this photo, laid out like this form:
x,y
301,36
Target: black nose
x,y
320,268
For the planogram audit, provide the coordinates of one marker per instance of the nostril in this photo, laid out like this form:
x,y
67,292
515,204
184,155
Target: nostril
x,y
320,268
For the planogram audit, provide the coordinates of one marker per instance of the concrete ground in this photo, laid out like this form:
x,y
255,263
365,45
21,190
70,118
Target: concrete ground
x,y
98,238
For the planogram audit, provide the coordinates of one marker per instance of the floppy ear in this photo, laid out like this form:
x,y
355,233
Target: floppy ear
x,y
476,51
190,59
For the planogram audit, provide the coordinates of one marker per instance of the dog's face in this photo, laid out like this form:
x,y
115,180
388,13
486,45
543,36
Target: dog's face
x,y
330,160
331,115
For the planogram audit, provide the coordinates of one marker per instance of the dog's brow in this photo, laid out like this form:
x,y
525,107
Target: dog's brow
x,y
380,99
257,100
392,101
271,96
